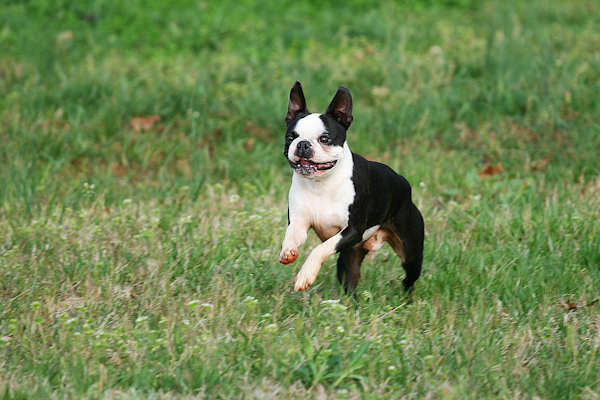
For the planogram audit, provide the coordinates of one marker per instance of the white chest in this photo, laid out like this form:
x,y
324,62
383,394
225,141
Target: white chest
x,y
324,203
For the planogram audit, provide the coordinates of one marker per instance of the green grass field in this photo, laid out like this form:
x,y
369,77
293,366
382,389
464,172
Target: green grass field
x,y
143,199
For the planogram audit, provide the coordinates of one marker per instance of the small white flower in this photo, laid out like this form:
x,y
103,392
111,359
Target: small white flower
x,y
127,201
422,184
207,306
141,319
234,198
340,329
186,220
392,368
250,300
334,304
271,328
71,321
185,322
266,316
193,303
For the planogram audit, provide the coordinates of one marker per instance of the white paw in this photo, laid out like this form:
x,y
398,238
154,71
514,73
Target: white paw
x,y
304,281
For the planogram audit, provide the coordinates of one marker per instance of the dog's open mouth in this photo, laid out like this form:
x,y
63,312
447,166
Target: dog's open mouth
x,y
307,167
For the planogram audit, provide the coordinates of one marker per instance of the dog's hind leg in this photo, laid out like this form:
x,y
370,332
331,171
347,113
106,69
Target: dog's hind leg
x,y
412,267
412,259
348,267
407,242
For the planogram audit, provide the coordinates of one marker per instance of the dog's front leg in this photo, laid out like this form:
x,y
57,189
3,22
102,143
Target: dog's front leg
x,y
295,236
307,275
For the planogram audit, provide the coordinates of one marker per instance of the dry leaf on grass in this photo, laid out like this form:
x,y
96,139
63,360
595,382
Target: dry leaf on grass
x,y
143,122
579,304
572,306
490,170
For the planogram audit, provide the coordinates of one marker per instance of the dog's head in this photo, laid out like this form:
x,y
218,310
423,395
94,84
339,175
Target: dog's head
x,y
314,143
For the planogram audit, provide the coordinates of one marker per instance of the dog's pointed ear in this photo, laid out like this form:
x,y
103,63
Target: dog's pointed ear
x,y
340,107
297,104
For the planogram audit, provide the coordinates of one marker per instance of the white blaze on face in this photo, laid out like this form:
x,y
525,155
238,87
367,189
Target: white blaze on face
x,y
310,129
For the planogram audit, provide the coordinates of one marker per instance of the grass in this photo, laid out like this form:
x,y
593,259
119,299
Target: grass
x,y
138,256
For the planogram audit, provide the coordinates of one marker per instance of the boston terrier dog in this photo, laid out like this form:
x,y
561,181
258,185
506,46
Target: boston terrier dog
x,y
353,205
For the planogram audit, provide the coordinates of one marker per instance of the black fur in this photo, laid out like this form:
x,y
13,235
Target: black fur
x,y
382,198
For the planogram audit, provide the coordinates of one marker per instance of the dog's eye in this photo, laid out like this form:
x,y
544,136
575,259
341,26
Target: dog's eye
x,y
325,139
289,138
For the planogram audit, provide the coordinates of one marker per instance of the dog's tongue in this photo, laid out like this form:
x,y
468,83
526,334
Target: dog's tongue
x,y
303,162
323,166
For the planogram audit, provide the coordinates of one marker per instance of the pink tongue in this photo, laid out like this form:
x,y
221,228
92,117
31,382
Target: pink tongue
x,y
305,163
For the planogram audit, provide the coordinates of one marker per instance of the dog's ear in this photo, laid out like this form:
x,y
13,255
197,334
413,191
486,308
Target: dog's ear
x,y
340,107
297,104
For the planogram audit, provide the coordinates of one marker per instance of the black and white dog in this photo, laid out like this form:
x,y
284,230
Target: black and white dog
x,y
353,205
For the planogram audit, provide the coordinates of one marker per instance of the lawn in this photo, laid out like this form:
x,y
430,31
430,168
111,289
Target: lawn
x,y
143,196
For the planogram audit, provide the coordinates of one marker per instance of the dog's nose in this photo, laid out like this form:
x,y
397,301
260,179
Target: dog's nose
x,y
303,150
303,145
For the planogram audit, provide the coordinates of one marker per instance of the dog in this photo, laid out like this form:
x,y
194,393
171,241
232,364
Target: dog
x,y
353,205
